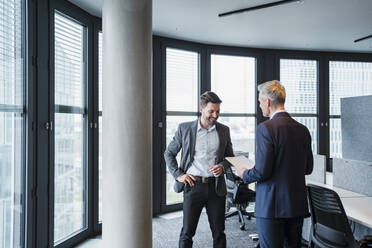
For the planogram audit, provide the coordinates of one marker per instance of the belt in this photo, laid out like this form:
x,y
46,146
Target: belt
x,y
204,179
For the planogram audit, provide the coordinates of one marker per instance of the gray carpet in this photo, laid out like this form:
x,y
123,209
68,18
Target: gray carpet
x,y
166,233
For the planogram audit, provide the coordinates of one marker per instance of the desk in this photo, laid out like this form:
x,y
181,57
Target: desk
x,y
358,209
341,192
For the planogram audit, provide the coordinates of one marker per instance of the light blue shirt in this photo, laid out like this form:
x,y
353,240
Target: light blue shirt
x,y
206,148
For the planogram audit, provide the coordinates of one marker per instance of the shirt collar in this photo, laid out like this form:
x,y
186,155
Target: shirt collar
x,y
209,130
278,111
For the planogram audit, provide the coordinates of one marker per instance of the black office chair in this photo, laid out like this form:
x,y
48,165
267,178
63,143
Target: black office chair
x,y
238,196
330,226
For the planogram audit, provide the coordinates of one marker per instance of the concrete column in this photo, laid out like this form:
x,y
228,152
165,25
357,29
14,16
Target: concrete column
x,y
127,111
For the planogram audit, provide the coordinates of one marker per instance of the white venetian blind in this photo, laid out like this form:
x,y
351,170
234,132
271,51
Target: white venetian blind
x,y
182,72
11,52
69,62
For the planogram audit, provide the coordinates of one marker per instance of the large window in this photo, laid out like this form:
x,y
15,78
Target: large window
x,y
182,94
346,79
233,79
70,128
12,123
100,126
300,79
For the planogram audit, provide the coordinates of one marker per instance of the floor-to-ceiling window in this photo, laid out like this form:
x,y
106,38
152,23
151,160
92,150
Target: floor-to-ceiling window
x,y
346,79
12,123
300,79
70,197
233,79
182,94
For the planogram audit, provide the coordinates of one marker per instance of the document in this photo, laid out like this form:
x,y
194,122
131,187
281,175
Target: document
x,y
240,162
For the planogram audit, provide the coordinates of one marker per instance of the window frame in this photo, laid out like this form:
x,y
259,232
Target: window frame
x,y
76,14
238,52
338,57
97,28
186,46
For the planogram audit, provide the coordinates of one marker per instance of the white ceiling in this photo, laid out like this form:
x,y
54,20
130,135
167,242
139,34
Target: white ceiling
x,y
330,25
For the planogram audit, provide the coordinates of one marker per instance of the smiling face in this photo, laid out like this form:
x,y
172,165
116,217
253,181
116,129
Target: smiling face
x,y
210,113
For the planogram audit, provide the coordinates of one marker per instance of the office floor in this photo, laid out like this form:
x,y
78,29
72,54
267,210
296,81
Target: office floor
x,y
167,228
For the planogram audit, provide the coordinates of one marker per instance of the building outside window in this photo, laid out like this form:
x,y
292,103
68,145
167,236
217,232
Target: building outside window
x,y
346,79
70,201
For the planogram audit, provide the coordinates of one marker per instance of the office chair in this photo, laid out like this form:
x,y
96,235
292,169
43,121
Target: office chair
x,y
239,196
329,223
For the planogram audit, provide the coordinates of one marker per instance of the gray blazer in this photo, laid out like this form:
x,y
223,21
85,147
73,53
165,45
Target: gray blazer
x,y
184,139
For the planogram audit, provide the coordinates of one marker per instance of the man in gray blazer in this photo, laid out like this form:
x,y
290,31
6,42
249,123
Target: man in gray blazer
x,y
200,175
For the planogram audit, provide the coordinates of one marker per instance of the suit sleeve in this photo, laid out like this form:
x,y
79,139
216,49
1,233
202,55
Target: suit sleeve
x,y
263,168
228,151
171,152
310,159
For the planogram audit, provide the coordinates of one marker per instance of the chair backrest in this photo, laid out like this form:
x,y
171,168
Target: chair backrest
x,y
330,226
237,190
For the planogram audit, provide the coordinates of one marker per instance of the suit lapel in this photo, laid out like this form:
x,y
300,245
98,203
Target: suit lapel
x,y
193,131
221,141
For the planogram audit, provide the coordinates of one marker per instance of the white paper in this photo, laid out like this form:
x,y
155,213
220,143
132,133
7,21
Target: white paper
x,y
241,162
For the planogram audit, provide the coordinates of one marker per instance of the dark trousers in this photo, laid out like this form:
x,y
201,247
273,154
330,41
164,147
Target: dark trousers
x,y
194,199
278,233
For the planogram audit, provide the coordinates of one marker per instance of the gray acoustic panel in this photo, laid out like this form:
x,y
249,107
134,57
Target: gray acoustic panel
x,y
353,175
319,171
356,126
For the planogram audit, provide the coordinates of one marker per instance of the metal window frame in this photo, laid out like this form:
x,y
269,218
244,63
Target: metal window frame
x,y
338,57
268,62
159,164
80,16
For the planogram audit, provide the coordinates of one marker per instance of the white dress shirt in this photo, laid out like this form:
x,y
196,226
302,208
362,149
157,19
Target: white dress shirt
x,y
278,111
206,147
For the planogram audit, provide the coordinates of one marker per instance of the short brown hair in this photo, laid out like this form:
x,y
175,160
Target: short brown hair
x,y
207,97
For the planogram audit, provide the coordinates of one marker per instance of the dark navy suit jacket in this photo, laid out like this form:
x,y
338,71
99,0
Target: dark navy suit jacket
x,y
283,158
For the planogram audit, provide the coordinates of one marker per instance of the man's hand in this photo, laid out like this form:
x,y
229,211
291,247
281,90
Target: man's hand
x,y
186,179
241,172
217,170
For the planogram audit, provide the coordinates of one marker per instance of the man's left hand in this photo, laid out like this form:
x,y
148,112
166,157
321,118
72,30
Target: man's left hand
x,y
217,170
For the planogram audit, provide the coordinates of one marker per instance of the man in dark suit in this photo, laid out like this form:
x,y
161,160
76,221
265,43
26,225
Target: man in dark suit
x,y
283,158
204,143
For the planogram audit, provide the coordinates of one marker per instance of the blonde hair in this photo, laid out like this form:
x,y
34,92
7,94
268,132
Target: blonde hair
x,y
273,90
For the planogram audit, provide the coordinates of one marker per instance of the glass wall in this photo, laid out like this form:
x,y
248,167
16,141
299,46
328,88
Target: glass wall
x,y
12,123
300,79
182,94
233,79
70,201
346,79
